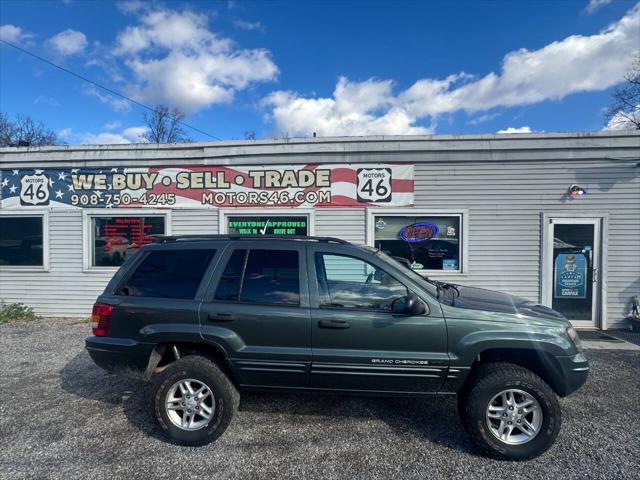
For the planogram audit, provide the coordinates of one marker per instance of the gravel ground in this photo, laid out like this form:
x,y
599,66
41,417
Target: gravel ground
x,y
62,417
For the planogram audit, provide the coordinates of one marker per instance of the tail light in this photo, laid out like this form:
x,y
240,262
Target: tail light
x,y
100,319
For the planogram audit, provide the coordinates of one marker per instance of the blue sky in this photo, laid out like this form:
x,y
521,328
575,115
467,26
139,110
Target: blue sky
x,y
335,68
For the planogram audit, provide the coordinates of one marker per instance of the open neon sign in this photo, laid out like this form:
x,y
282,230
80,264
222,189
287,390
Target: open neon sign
x,y
419,232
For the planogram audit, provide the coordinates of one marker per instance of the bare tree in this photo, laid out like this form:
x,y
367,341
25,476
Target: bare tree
x,y
25,132
164,126
624,111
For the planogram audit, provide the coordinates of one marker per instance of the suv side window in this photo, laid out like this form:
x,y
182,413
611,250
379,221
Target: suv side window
x,y
261,276
229,284
349,282
169,274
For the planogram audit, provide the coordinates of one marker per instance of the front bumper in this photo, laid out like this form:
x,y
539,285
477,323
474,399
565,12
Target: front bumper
x,y
120,355
574,370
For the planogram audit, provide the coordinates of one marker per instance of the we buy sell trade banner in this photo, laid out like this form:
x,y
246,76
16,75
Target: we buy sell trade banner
x,y
309,185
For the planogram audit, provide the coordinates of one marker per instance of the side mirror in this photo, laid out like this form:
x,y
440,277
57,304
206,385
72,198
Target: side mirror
x,y
409,305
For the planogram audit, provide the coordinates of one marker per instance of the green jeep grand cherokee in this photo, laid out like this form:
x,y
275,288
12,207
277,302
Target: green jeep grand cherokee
x,y
208,317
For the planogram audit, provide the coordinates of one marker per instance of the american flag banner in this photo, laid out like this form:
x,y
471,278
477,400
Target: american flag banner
x,y
311,185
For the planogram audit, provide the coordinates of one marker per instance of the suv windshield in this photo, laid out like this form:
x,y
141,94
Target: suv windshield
x,y
425,284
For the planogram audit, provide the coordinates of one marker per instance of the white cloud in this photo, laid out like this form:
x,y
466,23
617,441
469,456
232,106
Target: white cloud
x,y
354,110
624,120
596,4
244,25
575,64
65,133
116,103
483,118
176,59
126,136
135,134
103,138
44,100
69,42
12,34
130,6
524,129
112,125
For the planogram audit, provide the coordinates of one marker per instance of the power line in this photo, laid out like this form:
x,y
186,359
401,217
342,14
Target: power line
x,y
112,92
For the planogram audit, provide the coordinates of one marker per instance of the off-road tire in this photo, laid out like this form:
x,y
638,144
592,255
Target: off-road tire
x,y
487,381
225,393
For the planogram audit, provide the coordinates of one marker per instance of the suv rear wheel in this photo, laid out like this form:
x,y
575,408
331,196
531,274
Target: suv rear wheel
x,y
194,401
510,412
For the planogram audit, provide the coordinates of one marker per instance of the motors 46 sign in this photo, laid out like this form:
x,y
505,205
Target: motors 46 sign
x,y
374,185
34,189
310,185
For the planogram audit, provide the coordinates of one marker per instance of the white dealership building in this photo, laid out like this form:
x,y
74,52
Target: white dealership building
x,y
554,218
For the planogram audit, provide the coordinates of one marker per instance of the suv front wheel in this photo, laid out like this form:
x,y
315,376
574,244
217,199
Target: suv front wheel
x,y
194,401
510,412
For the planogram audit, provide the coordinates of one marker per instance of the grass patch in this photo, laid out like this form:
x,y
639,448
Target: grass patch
x,y
16,312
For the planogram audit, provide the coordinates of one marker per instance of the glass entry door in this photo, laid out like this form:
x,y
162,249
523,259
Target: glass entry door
x,y
572,286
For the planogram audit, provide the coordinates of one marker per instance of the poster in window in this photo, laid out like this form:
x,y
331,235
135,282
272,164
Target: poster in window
x,y
116,238
570,276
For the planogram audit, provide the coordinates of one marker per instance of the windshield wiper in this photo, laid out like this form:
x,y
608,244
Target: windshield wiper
x,y
449,285
442,285
439,285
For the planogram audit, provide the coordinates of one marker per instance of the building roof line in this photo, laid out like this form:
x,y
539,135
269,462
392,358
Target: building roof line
x,y
497,137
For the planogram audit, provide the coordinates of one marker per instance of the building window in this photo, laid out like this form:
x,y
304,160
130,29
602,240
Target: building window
x,y
116,237
169,274
21,241
268,225
427,242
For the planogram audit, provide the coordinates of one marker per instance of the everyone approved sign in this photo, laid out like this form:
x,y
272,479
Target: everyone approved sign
x,y
311,185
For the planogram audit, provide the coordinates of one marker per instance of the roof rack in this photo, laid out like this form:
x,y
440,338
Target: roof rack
x,y
181,238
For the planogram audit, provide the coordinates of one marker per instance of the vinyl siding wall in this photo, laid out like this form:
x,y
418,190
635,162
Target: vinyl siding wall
x,y
65,290
505,202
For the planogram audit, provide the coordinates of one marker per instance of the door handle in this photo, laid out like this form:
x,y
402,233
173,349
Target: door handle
x,y
221,317
334,324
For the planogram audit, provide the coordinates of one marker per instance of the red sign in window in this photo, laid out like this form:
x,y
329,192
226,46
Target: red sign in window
x,y
117,237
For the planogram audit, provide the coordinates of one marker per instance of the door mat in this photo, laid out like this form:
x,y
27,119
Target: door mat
x,y
626,335
595,336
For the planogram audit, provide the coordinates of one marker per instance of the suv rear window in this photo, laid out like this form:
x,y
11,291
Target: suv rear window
x,y
266,276
169,274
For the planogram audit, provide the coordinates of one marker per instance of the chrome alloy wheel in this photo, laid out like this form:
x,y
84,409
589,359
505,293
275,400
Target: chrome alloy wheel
x,y
190,404
514,417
